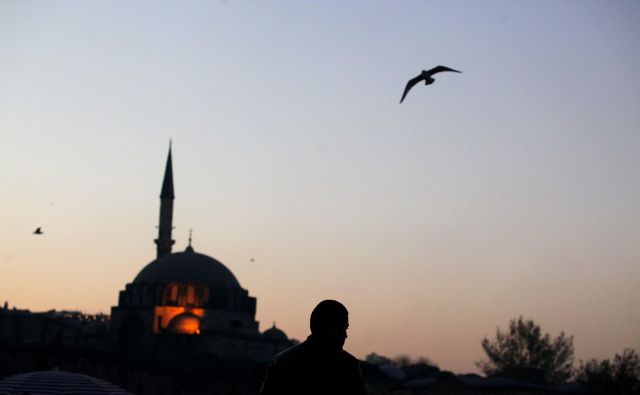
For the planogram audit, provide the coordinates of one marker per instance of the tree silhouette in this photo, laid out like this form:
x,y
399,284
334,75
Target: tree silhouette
x,y
524,353
620,377
378,360
399,361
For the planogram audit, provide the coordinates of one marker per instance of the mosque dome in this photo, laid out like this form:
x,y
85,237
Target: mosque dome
x,y
275,333
188,267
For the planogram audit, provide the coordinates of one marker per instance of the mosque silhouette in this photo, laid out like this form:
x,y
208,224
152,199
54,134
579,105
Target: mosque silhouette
x,y
189,293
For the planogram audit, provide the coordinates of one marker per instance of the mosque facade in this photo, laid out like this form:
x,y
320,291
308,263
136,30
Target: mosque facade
x,y
189,294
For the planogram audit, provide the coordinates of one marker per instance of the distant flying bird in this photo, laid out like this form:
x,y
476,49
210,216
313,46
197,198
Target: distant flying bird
x,y
426,76
38,231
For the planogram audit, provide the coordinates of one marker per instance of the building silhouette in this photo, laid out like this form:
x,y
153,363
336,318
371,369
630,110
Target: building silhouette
x,y
184,324
187,293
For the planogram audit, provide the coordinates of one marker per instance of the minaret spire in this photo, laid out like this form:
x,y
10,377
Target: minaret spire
x,y
164,241
189,247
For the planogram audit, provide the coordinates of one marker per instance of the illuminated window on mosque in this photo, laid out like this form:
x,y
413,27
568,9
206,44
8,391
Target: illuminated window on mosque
x,y
185,295
182,295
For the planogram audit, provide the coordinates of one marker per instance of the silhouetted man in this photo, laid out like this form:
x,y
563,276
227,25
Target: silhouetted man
x,y
318,365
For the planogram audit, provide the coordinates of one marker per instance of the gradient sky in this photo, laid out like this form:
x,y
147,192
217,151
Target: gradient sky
x,y
510,189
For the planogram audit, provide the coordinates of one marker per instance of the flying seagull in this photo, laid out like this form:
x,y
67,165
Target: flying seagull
x,y
426,76
38,231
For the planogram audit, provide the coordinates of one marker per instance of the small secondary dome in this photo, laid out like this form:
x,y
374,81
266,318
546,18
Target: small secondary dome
x,y
188,267
275,333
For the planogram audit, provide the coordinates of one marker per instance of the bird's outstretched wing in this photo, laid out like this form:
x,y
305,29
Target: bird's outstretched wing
x,y
439,69
410,85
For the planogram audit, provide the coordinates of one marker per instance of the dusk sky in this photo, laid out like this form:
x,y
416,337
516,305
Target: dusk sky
x,y
510,189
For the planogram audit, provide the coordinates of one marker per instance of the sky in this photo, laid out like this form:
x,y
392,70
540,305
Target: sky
x,y
511,189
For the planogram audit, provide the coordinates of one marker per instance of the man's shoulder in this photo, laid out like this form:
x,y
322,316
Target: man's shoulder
x,y
349,359
289,355
304,351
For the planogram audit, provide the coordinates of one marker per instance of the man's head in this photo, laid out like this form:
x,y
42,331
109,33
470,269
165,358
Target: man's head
x,y
329,323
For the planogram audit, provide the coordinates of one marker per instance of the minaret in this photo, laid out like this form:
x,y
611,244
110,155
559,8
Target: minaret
x,y
164,241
